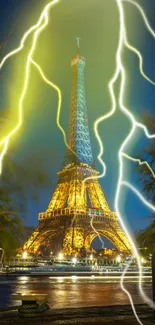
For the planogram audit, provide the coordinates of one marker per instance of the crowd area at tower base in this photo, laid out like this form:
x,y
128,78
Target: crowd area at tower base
x,y
118,315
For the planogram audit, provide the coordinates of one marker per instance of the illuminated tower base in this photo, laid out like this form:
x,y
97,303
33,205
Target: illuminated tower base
x,y
75,216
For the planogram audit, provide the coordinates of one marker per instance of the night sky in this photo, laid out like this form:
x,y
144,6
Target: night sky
x,y
96,22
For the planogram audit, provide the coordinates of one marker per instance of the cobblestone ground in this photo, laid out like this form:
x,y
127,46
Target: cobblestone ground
x,y
117,315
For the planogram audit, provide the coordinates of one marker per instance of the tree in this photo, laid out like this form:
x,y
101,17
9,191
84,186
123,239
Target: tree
x,y
146,238
146,177
20,181
10,234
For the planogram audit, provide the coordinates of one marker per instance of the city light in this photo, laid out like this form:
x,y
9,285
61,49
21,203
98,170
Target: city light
x,y
60,256
74,277
118,259
24,255
143,260
74,260
91,257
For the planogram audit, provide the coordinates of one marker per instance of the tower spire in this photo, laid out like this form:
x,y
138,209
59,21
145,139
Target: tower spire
x,y
78,44
78,130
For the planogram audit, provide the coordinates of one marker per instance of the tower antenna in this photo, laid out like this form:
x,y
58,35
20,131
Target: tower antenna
x,y
78,44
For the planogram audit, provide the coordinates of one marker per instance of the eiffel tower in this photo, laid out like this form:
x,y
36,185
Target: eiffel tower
x,y
77,210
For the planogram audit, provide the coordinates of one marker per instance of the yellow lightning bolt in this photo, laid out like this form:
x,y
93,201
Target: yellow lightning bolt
x,y
2,154
37,29
51,84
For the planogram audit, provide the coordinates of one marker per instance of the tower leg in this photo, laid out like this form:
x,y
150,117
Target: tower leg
x,y
96,196
74,240
59,197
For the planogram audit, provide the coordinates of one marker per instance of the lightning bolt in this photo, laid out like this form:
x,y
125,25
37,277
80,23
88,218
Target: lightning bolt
x,y
120,71
129,296
2,154
141,197
95,230
37,29
51,84
135,124
139,162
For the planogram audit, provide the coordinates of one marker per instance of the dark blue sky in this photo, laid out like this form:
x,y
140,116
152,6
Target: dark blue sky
x,y
97,24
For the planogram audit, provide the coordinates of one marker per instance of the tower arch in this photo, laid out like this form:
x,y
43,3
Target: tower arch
x,y
108,235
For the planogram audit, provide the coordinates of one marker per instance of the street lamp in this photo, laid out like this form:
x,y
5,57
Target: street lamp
x,y
91,257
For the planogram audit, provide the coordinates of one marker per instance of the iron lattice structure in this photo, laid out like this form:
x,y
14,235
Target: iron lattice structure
x,y
76,205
